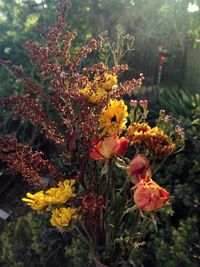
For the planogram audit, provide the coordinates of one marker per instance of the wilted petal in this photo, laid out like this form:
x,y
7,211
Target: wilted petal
x,y
149,196
139,168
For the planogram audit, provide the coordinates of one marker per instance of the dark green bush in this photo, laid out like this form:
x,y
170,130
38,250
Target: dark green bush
x,y
31,241
171,246
176,247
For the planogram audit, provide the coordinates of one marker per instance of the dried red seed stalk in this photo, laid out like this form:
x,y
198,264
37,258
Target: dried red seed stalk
x,y
27,108
21,158
64,77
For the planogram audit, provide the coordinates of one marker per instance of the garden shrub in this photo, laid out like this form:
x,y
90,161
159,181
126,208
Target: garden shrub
x,y
175,247
171,246
31,241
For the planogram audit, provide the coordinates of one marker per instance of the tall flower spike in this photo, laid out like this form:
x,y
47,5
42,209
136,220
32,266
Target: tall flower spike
x,y
31,164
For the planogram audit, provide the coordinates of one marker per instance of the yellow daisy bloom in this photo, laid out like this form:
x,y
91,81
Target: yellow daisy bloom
x,y
113,118
36,201
62,217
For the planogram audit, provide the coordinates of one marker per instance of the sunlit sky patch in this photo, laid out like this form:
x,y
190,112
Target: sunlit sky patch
x,y
192,7
38,1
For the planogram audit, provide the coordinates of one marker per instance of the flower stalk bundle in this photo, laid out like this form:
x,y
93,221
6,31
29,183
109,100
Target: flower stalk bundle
x,y
103,187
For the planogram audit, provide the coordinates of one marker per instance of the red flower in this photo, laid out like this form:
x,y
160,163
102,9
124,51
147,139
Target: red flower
x,y
108,146
149,196
139,168
121,148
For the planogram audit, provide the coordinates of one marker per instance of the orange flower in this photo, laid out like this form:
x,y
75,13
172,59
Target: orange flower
x,y
138,133
154,139
139,168
108,146
121,148
149,196
159,143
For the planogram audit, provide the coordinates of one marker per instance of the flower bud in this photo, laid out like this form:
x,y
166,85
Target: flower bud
x,y
167,118
133,103
162,112
143,103
177,128
144,116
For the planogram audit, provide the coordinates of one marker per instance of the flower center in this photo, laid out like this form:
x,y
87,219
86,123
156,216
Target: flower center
x,y
114,119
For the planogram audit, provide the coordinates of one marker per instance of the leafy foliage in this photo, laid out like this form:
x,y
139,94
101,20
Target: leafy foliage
x,y
179,102
30,241
183,171
177,244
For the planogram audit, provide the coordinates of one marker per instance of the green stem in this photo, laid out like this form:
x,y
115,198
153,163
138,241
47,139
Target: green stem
x,y
135,225
160,165
81,236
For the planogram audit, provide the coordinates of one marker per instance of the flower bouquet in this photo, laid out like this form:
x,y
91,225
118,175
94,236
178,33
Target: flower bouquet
x,y
102,186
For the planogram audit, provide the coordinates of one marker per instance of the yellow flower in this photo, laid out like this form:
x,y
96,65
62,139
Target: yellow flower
x,y
113,118
110,81
62,217
56,195
159,143
61,194
138,132
36,201
95,95
153,138
97,90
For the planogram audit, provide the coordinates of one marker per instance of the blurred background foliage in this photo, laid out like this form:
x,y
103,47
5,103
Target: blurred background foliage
x,y
154,23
